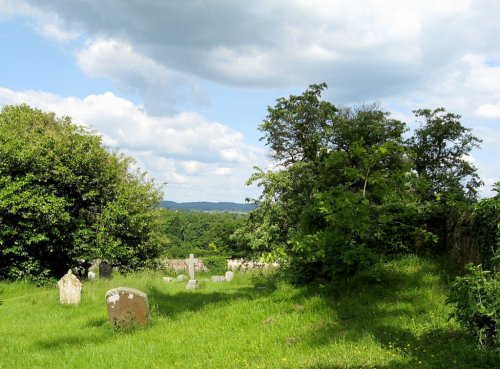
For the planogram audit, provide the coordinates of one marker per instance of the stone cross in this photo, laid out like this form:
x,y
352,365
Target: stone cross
x,y
190,262
70,289
192,283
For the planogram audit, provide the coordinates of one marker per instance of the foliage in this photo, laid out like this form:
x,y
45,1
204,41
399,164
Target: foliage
x,y
65,198
215,264
439,151
348,188
334,201
202,233
476,301
487,227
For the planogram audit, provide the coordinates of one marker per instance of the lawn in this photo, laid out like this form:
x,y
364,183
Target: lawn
x,y
391,317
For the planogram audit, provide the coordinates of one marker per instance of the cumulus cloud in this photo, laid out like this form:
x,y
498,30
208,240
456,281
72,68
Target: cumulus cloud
x,y
162,89
365,49
489,110
185,150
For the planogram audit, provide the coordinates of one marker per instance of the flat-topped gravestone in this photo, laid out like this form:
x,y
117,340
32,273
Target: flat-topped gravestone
x,y
192,283
218,278
105,270
127,307
70,289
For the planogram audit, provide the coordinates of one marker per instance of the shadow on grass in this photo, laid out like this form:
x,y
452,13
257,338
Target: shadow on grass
x,y
170,305
372,305
70,341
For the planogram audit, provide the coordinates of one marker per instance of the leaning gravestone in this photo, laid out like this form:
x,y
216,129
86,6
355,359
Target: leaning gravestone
x,y
70,289
105,270
127,307
192,283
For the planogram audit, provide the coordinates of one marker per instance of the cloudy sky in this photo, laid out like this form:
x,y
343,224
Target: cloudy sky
x,y
181,85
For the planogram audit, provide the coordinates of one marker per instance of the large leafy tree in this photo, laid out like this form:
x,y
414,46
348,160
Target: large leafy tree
x,y
335,188
64,197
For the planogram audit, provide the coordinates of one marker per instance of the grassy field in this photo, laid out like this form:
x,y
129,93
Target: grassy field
x,y
392,317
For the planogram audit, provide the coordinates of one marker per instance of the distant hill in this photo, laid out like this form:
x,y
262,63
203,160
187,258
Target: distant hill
x,y
209,206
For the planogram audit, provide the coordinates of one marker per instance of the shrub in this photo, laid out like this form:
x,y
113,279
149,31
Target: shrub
x,y
475,298
215,264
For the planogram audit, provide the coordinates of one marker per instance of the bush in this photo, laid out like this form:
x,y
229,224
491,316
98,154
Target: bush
x,y
215,264
64,198
475,298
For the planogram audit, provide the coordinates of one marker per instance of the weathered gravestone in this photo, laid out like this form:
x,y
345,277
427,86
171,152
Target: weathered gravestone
x,y
229,275
70,289
192,283
105,270
91,276
218,278
181,278
127,307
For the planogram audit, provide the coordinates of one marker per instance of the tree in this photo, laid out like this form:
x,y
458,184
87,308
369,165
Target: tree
x,y
336,189
440,148
65,197
446,181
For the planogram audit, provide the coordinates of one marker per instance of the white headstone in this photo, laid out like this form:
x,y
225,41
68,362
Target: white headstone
x,y
218,278
91,276
70,289
168,279
229,275
181,277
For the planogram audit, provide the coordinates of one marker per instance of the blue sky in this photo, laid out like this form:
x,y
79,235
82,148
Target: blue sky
x,y
182,86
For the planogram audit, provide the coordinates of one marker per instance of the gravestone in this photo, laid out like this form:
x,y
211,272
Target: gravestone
x,y
127,307
91,276
218,278
181,278
70,289
105,270
229,275
192,283
168,279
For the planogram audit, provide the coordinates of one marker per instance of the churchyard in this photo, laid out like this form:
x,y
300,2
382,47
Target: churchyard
x,y
393,316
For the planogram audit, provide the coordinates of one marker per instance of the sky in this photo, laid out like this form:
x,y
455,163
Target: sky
x,y
182,85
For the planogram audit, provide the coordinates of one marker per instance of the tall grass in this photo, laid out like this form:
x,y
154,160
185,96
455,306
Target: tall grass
x,y
393,316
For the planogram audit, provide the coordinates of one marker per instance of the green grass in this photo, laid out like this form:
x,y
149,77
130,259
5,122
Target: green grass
x,y
391,317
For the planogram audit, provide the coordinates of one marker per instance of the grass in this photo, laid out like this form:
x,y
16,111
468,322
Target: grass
x,y
393,316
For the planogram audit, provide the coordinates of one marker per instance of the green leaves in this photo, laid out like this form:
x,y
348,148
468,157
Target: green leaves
x,y
60,188
475,298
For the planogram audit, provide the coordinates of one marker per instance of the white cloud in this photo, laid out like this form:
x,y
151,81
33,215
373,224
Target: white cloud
x,y
489,110
364,49
187,151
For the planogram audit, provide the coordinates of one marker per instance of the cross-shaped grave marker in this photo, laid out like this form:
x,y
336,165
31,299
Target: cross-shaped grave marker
x,y
192,283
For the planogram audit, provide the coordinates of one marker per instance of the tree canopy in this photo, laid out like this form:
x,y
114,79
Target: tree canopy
x,y
64,197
